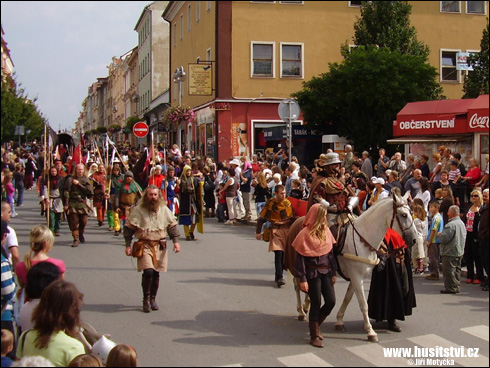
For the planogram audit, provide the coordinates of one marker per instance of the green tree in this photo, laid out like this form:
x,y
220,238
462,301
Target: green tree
x,y
386,24
476,82
360,97
18,109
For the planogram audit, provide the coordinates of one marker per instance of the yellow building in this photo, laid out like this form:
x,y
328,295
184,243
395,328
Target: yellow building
x,y
234,61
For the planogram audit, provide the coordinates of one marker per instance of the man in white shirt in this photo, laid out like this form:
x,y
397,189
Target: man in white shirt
x,y
11,244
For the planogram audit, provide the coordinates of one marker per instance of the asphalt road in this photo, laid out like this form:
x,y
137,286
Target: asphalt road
x,y
219,305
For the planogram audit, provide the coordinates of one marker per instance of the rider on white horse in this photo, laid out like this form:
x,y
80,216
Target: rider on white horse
x,y
329,188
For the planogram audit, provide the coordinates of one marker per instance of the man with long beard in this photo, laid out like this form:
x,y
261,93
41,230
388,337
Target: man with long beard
x,y
151,221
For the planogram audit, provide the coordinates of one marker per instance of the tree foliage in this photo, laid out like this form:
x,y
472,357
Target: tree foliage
x,y
476,82
360,97
386,24
18,109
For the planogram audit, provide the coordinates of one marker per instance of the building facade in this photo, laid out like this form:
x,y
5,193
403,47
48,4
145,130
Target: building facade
x,y
239,64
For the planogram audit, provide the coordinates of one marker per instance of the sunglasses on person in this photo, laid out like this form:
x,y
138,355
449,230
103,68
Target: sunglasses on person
x,y
474,195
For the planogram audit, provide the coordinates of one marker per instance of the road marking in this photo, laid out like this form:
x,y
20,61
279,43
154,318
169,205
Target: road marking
x,y
433,341
374,354
303,360
479,331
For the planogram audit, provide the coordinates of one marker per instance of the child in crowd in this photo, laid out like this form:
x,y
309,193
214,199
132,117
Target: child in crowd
x,y
433,242
296,191
220,211
122,356
7,347
418,254
86,360
453,177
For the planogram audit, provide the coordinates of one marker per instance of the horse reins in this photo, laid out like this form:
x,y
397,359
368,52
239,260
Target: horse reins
x,y
365,242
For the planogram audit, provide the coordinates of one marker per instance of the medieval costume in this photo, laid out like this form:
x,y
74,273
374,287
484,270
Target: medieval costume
x,y
129,193
151,227
391,295
99,183
279,212
315,265
55,202
77,191
115,181
190,204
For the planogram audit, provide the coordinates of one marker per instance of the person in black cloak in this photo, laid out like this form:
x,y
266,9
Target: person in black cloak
x,y
391,294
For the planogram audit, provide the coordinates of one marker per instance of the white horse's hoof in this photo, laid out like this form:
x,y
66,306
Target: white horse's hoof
x,y
373,338
340,328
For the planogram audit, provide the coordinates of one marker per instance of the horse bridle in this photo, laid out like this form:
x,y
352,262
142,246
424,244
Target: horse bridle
x,y
395,215
366,243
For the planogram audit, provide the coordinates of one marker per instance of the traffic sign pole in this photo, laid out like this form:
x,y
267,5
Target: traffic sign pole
x,y
289,111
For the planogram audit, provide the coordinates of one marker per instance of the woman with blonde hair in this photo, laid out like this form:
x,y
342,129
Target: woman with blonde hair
x,y
315,267
435,174
42,241
418,254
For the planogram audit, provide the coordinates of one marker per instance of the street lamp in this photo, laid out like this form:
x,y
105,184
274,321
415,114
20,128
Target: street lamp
x,y
178,77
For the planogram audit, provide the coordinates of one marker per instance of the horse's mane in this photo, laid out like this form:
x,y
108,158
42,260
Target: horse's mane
x,y
377,204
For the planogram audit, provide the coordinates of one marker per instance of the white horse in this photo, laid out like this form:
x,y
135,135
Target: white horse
x,y
363,238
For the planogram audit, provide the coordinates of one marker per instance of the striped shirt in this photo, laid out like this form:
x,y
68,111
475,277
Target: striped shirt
x,y
8,289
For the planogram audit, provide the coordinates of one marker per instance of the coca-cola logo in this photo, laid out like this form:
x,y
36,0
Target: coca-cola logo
x,y
478,121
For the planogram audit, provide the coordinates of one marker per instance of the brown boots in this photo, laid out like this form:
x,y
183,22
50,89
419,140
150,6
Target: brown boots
x,y
146,284
155,282
75,243
150,288
315,335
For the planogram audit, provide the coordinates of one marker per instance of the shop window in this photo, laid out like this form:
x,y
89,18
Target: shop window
x,y
262,59
450,6
291,60
449,73
475,7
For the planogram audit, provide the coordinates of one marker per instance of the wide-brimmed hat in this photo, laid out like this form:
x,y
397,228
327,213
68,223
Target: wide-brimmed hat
x,y
329,159
235,162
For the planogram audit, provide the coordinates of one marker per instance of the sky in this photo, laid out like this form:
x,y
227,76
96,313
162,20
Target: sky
x,y
60,48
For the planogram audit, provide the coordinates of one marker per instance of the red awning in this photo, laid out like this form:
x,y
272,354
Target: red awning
x,y
441,117
478,114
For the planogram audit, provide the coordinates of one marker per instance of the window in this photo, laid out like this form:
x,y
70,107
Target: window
x,y
175,34
181,26
262,59
198,11
449,73
451,6
291,60
208,5
354,3
189,18
475,7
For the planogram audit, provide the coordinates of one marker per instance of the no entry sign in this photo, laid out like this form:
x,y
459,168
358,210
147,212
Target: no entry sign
x,y
140,129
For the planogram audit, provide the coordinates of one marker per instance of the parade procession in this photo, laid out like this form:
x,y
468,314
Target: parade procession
x,y
244,196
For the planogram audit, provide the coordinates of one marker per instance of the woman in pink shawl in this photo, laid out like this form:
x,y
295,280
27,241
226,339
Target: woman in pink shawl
x,y
316,268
